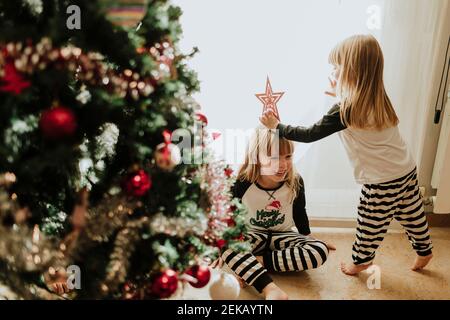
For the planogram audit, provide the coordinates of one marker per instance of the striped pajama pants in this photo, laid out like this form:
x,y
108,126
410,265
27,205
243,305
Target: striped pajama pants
x,y
379,203
281,251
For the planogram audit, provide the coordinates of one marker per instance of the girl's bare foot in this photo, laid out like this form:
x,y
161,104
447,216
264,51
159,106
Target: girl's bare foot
x,y
273,292
421,262
351,269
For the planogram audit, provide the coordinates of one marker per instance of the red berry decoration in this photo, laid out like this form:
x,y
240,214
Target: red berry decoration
x,y
12,80
164,284
130,291
230,222
228,172
138,183
220,243
202,118
201,273
58,123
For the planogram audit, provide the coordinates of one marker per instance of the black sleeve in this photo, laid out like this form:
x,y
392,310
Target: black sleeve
x,y
329,124
239,188
299,210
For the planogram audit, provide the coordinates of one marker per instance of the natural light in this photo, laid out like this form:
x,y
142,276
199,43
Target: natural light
x,y
243,42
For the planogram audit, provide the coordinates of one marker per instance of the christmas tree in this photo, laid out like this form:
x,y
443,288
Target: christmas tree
x,y
92,96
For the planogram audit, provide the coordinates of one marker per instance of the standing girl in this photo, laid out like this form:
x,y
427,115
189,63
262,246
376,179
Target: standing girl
x,y
368,128
274,196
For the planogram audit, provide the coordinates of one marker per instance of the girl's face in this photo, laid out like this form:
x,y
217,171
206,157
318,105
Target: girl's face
x,y
336,72
277,167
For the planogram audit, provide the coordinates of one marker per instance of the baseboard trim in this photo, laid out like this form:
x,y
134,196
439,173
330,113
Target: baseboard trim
x,y
318,222
438,220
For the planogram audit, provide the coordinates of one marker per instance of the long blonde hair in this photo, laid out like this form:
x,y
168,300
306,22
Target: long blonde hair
x,y
364,102
266,143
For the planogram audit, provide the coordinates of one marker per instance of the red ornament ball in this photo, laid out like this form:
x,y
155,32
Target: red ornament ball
x,y
202,118
138,183
164,284
201,273
57,123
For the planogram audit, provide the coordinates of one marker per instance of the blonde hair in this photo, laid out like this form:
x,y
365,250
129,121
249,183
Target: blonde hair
x,y
364,102
265,143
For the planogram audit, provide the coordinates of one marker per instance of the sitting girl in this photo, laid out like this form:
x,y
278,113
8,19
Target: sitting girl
x,y
274,196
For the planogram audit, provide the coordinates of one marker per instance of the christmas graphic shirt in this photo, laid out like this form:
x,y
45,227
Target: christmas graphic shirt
x,y
273,209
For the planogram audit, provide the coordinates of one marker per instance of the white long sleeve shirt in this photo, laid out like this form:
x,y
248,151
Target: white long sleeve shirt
x,y
377,156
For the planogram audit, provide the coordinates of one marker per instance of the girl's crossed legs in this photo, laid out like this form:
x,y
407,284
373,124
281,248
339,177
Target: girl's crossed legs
x,y
280,251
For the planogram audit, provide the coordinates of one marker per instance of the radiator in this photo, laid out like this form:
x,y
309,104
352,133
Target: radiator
x,y
441,172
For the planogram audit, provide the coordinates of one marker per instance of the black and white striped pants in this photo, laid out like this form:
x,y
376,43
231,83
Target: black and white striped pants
x,y
281,251
379,203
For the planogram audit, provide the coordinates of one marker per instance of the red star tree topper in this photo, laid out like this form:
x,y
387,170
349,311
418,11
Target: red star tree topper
x,y
270,99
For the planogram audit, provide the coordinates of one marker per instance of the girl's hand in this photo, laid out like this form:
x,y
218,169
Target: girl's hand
x,y
217,263
57,282
332,91
269,120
